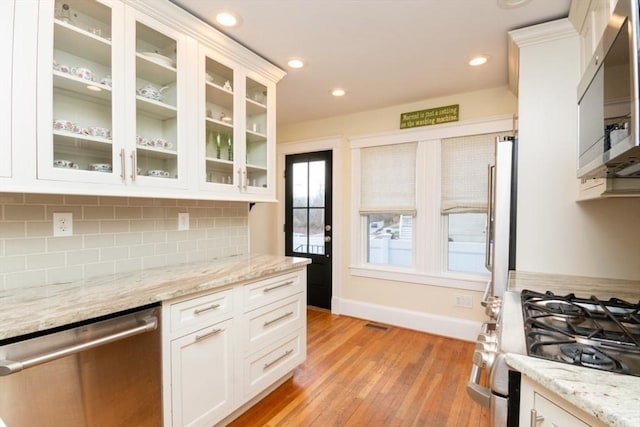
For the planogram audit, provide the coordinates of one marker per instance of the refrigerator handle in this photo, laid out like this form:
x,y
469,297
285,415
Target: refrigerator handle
x,y
488,262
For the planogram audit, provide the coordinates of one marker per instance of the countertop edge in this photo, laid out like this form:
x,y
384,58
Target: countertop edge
x,y
612,398
35,309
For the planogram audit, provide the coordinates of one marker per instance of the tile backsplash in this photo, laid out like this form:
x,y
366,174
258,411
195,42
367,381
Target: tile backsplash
x,y
111,235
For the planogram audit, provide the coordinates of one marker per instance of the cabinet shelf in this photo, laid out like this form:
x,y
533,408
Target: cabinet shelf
x,y
154,71
155,109
219,95
79,86
256,168
70,140
253,137
158,153
254,107
218,126
82,43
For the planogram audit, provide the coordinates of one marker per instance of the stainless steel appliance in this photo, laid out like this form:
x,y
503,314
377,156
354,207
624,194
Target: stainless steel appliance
x,y
586,332
608,96
103,372
500,258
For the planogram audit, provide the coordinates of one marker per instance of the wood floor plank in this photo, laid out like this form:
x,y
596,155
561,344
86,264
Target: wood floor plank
x,y
358,375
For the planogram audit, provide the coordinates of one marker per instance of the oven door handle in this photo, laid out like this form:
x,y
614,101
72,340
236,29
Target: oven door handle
x,y
478,393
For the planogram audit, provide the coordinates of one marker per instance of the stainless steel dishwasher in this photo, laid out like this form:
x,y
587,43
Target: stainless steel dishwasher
x,y
99,373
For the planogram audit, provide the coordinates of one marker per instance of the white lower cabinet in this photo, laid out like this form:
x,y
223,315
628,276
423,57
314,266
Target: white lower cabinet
x,y
540,407
223,350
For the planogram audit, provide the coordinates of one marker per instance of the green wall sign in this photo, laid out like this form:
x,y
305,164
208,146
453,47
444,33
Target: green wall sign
x,y
432,116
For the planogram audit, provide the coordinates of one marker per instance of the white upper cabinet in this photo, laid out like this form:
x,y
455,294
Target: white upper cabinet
x,y
142,99
237,149
6,46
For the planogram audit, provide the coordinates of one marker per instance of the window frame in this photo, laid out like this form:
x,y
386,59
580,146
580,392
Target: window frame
x,y
429,266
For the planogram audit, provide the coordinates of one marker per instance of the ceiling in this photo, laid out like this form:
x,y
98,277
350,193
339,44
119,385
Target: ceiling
x,y
383,52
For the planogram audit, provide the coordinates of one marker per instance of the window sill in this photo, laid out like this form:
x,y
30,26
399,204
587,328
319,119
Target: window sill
x,y
445,280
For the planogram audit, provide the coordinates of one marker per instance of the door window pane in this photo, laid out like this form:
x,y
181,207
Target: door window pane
x,y
316,231
316,183
300,184
390,239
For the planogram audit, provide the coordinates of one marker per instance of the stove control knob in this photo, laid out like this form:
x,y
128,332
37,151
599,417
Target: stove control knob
x,y
491,337
483,359
487,347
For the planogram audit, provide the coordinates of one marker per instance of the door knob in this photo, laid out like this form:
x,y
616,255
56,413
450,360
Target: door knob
x,y
327,227
327,239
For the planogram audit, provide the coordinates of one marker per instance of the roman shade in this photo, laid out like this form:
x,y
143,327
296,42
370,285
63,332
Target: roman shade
x,y
388,179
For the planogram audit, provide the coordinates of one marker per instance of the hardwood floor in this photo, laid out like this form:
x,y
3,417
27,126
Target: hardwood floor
x,y
358,375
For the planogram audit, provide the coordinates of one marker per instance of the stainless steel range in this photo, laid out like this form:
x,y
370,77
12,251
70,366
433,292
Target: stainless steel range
x,y
586,332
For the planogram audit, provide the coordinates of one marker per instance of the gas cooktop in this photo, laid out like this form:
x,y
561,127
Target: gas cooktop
x,y
586,332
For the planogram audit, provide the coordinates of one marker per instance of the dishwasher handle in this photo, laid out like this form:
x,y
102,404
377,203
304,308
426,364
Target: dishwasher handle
x,y
8,367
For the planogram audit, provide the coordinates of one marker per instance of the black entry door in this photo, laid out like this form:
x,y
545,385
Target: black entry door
x,y
308,220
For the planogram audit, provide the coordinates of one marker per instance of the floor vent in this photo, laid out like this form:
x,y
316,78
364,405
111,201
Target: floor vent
x,y
376,326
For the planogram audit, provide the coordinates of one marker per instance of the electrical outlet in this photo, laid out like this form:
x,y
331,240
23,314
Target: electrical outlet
x,y
465,301
63,224
183,221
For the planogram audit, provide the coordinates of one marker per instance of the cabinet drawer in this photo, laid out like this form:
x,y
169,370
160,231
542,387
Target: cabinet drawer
x,y
201,310
260,293
266,366
280,318
554,415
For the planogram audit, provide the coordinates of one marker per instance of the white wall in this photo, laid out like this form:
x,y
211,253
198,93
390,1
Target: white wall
x,y
385,300
556,234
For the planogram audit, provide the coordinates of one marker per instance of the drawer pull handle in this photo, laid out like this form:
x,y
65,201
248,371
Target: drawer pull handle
x,y
208,334
270,364
535,418
205,309
281,285
284,316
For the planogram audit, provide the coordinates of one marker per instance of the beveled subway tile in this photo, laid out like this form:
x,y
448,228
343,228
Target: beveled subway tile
x,y
76,211
110,254
83,256
98,240
38,228
86,227
214,212
115,226
64,243
198,212
141,251
64,274
154,261
153,212
99,212
187,246
177,236
24,212
128,239
170,248
40,261
203,223
10,264
25,278
127,265
11,198
113,201
187,203
12,229
154,237
44,199
80,200
99,269
128,212
24,246
142,225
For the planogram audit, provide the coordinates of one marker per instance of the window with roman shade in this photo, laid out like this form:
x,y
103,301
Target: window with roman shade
x,y
388,179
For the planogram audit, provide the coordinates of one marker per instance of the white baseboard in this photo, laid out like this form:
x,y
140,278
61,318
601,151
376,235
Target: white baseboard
x,y
452,327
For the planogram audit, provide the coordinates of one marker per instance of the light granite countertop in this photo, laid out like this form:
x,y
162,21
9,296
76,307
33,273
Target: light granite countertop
x,y
610,397
37,308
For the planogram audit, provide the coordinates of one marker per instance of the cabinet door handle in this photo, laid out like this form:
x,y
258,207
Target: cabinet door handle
x,y
277,319
122,165
239,179
205,309
208,334
244,179
134,166
273,362
535,418
273,288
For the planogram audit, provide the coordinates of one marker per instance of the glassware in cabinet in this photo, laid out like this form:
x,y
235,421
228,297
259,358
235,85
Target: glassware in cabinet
x,y
80,107
219,126
156,152
256,134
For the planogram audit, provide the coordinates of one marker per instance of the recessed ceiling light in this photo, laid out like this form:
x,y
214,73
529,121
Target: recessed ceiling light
x,y
478,60
508,4
295,63
228,19
338,92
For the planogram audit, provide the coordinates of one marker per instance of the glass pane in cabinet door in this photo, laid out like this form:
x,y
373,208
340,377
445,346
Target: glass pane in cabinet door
x,y
82,102
156,104
218,122
256,134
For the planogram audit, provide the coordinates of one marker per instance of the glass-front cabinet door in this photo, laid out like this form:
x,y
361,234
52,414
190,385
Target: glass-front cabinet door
x,y
159,105
257,127
217,133
75,93
6,45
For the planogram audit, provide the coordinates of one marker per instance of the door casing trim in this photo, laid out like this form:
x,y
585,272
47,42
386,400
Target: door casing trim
x,y
335,145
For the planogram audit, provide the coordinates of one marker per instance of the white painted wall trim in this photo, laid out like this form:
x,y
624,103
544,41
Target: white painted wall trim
x,y
338,235
451,327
